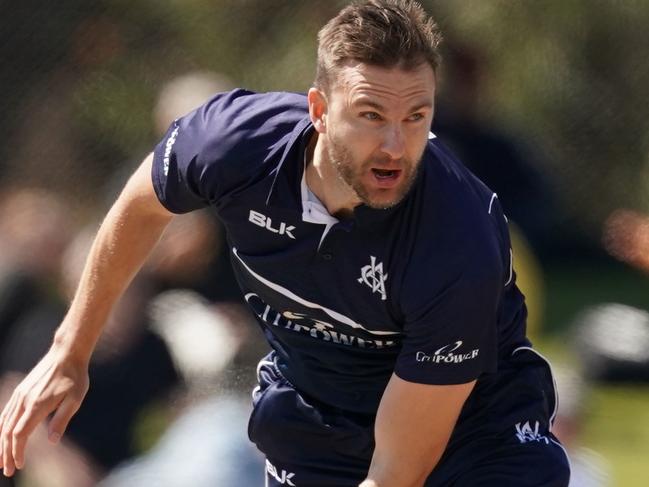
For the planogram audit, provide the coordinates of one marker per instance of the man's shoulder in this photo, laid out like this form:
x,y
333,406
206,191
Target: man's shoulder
x,y
452,198
455,180
244,105
454,218
224,144
242,114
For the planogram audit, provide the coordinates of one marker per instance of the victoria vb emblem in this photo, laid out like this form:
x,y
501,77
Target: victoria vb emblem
x,y
372,276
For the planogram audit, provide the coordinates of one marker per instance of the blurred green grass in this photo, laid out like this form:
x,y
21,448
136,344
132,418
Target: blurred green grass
x,y
617,426
616,417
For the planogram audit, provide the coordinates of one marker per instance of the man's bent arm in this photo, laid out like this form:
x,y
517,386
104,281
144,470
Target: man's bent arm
x,y
413,425
59,381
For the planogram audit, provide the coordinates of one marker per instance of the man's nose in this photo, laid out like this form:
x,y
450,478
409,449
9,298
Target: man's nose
x,y
393,142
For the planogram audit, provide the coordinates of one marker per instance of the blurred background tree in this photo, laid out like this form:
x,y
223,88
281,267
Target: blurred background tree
x,y
574,76
80,82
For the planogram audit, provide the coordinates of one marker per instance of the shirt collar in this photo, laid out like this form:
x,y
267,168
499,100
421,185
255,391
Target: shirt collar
x,y
313,211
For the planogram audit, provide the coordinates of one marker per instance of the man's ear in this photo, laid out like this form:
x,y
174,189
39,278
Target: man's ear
x,y
318,109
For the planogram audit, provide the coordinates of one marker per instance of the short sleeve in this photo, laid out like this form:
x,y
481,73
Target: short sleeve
x,y
452,339
207,153
182,166
451,327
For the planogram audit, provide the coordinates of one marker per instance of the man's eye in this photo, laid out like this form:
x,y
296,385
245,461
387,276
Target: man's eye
x,y
371,115
416,117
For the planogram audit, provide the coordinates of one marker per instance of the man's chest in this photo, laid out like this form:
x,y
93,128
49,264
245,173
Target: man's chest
x,y
332,282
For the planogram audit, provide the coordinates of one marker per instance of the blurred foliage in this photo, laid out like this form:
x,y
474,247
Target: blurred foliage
x,y
574,75
571,76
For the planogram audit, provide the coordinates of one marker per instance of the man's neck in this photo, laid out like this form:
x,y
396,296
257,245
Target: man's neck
x,y
323,181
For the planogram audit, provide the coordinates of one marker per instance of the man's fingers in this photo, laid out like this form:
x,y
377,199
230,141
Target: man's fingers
x,y
60,421
2,421
19,423
19,440
4,434
47,388
13,411
21,432
27,423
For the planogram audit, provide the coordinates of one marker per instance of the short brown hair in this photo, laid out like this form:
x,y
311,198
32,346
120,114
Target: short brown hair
x,y
384,33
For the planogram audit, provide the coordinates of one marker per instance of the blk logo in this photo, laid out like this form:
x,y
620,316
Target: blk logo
x,y
282,476
372,276
266,222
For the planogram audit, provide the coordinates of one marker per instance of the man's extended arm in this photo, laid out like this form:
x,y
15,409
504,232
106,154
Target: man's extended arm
x,y
413,425
59,381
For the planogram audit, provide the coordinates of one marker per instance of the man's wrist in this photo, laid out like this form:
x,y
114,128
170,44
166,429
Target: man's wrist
x,y
72,346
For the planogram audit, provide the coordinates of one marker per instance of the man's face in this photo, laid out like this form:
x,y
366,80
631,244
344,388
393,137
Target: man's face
x,y
378,122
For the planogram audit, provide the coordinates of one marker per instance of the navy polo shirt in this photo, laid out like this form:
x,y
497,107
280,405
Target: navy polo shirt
x,y
424,289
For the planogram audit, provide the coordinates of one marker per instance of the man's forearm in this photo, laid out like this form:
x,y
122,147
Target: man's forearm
x,y
413,425
126,237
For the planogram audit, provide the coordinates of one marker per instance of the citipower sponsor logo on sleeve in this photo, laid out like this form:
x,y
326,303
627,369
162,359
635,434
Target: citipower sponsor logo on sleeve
x,y
448,354
168,146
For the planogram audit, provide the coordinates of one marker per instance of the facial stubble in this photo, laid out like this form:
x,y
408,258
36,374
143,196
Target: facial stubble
x,y
343,162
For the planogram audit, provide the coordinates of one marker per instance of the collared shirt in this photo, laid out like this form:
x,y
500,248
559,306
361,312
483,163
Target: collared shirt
x,y
424,289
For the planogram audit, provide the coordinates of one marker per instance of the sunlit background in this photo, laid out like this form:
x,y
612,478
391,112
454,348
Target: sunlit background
x,y
546,100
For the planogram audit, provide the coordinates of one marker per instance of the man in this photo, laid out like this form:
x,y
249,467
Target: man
x,y
378,267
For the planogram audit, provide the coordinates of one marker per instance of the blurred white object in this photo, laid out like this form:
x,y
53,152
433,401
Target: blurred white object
x,y
612,341
205,447
588,469
199,336
185,93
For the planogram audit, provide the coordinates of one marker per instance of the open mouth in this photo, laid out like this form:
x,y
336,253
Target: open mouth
x,y
386,174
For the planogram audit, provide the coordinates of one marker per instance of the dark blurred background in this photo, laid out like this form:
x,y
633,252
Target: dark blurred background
x,y
547,101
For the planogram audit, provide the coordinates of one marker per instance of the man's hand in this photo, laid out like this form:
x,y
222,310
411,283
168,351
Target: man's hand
x,y
56,385
413,425
60,380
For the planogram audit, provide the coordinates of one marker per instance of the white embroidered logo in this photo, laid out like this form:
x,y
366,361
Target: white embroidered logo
x,y
525,433
265,222
446,355
168,146
372,275
282,476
